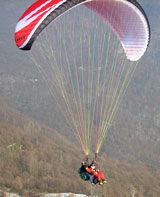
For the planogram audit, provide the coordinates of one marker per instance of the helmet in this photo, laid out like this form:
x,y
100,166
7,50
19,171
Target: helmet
x,y
93,166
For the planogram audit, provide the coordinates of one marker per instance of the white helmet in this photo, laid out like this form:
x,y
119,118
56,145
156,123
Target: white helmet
x,y
93,167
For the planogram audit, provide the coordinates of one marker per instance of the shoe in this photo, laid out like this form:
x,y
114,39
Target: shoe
x,y
100,183
104,181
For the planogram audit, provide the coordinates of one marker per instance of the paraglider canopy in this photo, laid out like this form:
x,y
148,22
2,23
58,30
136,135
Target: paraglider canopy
x,y
87,58
125,17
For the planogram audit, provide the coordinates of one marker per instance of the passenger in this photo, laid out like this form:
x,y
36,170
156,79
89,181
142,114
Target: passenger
x,y
100,176
90,169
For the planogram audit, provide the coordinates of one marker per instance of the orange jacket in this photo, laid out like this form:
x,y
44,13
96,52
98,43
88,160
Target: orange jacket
x,y
99,175
89,170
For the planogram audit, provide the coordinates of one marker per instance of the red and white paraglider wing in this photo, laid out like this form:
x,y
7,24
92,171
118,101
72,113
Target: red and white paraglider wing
x,y
37,17
128,20
31,20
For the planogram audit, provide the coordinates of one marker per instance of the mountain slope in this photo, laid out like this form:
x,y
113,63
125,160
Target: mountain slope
x,y
37,158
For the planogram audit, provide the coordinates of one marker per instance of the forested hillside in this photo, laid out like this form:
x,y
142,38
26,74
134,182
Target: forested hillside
x,y
35,158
